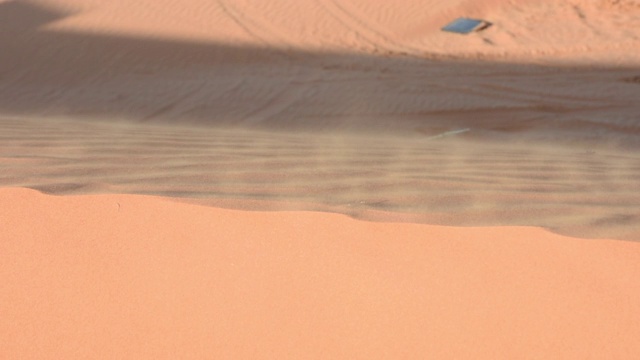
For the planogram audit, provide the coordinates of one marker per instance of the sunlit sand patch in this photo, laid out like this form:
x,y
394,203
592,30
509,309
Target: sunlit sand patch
x,y
117,276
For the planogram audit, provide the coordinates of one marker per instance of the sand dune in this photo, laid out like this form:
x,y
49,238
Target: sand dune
x,y
99,75
119,276
328,65
324,64
521,135
527,28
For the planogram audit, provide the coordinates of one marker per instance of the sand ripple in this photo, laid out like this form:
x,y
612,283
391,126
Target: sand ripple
x,y
571,189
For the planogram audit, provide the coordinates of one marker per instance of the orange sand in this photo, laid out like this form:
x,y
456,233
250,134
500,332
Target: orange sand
x,y
524,29
83,83
122,276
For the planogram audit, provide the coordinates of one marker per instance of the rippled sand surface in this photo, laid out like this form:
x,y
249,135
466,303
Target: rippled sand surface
x,y
583,190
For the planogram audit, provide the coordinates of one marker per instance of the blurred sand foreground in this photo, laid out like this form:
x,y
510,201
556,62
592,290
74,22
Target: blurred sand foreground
x,y
523,139
126,276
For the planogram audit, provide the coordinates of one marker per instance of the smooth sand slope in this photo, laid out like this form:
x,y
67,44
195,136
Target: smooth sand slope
x,y
121,276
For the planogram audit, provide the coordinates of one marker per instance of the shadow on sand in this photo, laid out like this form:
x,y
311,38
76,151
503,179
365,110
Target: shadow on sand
x,y
89,75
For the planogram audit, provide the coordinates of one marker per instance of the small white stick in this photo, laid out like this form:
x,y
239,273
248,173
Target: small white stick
x,y
448,133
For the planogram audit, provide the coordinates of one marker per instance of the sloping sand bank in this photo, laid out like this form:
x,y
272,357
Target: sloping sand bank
x,y
122,276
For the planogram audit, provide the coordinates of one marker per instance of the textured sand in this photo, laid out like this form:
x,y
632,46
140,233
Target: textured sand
x,y
544,134
585,189
605,29
122,276
557,69
527,134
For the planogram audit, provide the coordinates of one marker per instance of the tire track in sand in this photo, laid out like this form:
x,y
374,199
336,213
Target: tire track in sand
x,y
252,26
369,33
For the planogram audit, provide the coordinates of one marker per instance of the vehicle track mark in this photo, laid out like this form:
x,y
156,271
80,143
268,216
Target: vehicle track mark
x,y
365,31
258,29
238,19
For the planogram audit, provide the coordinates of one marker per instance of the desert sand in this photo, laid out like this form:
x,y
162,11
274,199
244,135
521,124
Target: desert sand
x,y
319,179
126,276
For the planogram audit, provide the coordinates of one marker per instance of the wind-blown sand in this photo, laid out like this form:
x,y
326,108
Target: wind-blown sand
x,y
523,138
586,190
122,276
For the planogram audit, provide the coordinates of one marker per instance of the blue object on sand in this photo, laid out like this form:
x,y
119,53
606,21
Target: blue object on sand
x,y
465,25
